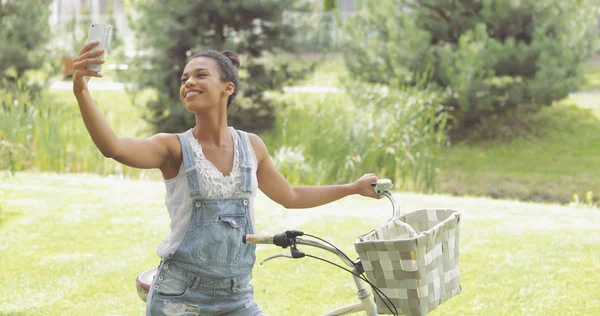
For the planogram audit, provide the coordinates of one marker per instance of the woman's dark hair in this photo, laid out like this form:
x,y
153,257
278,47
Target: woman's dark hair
x,y
228,63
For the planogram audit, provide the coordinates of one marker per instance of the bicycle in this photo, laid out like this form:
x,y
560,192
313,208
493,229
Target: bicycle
x,y
293,238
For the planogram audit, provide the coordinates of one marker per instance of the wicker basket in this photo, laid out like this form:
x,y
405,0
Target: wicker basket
x,y
413,259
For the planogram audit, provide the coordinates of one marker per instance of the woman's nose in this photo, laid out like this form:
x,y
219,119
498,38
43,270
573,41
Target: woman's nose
x,y
189,82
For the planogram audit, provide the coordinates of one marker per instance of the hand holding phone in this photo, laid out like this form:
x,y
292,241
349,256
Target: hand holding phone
x,y
100,33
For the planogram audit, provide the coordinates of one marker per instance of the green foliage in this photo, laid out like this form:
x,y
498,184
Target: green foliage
x,y
494,60
20,112
336,138
169,32
24,32
43,131
328,5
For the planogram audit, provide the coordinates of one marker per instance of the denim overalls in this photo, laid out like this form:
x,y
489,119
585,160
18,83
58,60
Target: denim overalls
x,y
210,272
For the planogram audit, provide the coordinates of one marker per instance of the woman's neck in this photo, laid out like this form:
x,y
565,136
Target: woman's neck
x,y
212,128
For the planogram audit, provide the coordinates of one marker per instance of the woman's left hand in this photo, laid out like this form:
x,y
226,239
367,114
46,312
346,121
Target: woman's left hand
x,y
364,185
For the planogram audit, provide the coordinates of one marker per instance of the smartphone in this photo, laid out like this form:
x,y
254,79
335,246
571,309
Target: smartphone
x,y
100,33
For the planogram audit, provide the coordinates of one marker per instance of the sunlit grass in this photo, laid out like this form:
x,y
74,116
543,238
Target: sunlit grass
x,y
77,242
558,162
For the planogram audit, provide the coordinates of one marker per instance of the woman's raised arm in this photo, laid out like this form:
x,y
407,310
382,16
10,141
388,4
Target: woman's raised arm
x,y
154,152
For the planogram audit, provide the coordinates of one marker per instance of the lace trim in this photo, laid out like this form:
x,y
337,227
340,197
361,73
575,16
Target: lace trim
x,y
216,185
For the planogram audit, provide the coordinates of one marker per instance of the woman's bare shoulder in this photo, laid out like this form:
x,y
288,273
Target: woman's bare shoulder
x,y
259,146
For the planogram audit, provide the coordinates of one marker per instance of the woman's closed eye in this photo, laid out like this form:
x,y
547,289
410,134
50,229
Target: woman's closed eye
x,y
183,80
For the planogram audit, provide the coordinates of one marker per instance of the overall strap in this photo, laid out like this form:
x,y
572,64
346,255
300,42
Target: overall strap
x,y
245,164
189,165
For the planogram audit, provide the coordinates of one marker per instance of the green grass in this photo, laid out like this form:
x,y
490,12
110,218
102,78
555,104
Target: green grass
x,y
324,138
562,160
73,245
592,77
124,117
54,137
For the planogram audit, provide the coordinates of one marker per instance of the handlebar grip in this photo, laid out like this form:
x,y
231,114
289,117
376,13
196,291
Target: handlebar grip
x,y
282,240
257,239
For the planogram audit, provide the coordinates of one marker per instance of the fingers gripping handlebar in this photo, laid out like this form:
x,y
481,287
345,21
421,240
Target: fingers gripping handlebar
x,y
292,238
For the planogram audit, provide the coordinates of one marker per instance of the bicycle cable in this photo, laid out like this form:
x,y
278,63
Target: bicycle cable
x,y
361,276
375,288
332,245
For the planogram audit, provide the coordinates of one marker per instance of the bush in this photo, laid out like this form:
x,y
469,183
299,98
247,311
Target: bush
x,y
169,32
494,60
25,31
336,138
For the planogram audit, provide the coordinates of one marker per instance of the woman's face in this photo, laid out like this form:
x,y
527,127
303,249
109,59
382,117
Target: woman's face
x,y
201,85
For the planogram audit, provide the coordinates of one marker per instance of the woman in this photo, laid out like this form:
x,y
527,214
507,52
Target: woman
x,y
211,174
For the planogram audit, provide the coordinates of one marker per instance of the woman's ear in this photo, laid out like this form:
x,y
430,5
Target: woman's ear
x,y
229,88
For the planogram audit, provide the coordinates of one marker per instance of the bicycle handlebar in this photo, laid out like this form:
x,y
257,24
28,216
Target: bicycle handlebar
x,y
382,187
291,238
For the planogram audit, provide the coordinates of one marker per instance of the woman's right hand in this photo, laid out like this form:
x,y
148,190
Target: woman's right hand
x,y
85,57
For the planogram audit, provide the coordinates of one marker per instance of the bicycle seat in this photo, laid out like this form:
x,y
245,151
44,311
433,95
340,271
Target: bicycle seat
x,y
143,282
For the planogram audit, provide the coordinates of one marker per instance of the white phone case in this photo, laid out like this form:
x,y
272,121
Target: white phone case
x,y
100,33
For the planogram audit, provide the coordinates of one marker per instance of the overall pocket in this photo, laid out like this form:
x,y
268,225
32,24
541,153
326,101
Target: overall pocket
x,y
219,242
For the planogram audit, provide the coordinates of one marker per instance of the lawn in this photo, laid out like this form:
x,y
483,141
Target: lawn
x,y
563,159
73,245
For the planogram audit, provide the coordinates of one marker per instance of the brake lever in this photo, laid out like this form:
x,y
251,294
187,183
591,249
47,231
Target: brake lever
x,y
284,255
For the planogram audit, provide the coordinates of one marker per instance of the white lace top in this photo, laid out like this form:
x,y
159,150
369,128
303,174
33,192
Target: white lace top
x,y
213,184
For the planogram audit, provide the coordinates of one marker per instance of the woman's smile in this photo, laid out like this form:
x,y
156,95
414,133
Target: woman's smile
x,y
192,93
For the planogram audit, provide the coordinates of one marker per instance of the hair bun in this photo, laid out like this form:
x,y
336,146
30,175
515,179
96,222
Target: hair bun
x,y
235,60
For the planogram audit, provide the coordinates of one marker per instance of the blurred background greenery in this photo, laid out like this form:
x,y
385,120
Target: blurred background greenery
x,y
495,99
491,98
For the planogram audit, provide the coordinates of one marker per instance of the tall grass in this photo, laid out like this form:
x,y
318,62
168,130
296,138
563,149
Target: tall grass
x,y
20,110
45,132
337,137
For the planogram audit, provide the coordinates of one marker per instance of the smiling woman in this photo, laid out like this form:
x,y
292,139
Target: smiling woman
x,y
227,62
212,173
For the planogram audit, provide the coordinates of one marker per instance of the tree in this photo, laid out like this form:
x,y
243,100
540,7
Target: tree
x,y
493,60
169,32
24,32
